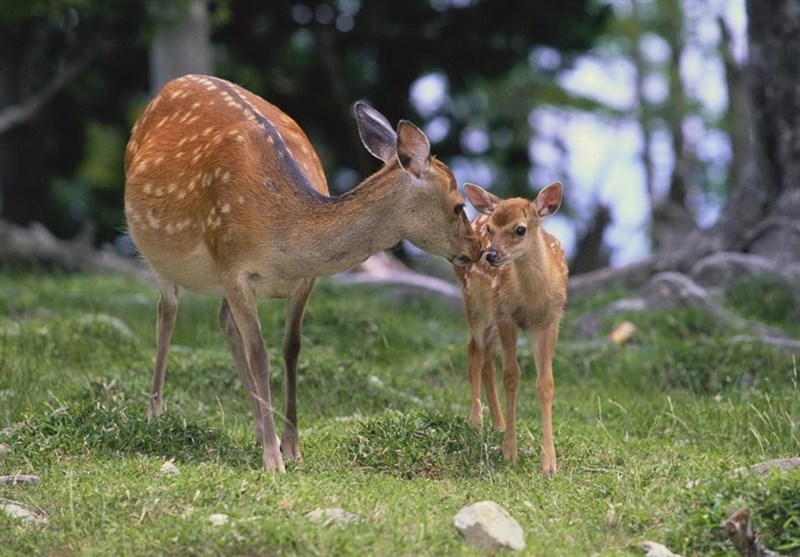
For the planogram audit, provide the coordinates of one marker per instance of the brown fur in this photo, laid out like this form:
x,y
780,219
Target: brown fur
x,y
526,289
224,194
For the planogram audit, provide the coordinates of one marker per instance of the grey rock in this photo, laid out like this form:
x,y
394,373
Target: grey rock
x,y
329,516
489,526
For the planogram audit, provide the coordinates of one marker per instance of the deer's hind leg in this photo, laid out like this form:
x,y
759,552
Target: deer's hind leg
x,y
544,345
295,309
234,339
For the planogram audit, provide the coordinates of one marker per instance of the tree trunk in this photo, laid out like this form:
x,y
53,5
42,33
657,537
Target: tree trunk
x,y
762,216
182,47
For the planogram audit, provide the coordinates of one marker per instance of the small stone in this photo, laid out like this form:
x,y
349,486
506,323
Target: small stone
x,y
655,549
169,468
329,516
218,519
24,514
487,525
3,448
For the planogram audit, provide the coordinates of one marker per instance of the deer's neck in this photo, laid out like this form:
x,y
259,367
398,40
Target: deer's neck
x,y
334,234
533,269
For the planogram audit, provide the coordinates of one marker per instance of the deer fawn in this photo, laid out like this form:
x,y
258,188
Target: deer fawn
x,y
224,194
521,283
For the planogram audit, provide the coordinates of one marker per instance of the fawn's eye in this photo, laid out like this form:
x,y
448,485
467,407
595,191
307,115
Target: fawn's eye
x,y
458,209
520,231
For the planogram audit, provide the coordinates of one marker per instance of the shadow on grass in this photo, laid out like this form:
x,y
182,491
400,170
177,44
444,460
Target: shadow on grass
x,y
109,430
421,443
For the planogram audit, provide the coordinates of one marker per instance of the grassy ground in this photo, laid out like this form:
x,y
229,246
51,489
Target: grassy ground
x,y
646,433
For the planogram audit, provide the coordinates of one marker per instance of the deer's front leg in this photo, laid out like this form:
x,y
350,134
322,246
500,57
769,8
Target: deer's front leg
x,y
295,309
544,343
489,375
474,364
511,378
242,301
165,323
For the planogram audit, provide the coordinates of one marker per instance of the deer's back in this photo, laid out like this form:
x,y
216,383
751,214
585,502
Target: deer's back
x,y
213,172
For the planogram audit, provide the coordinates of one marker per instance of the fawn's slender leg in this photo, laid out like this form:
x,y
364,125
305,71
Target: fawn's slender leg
x,y
474,363
165,323
544,343
242,301
295,309
236,345
489,375
511,378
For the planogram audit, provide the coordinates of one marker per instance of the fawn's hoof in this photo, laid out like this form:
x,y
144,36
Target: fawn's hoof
x,y
510,451
549,466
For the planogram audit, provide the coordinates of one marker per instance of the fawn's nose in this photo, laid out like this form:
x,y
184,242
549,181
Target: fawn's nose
x,y
492,257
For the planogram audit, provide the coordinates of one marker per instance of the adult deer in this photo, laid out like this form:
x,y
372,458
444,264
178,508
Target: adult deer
x,y
520,283
224,194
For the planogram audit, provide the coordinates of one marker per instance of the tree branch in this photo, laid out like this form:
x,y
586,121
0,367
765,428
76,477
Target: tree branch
x,y
15,115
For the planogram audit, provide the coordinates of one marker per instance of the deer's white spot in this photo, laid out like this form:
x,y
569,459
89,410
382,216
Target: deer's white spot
x,y
152,220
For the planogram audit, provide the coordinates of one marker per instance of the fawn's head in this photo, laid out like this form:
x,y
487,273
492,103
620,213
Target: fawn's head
x,y
513,224
433,210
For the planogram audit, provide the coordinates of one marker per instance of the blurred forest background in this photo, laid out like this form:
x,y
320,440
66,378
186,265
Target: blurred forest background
x,y
642,108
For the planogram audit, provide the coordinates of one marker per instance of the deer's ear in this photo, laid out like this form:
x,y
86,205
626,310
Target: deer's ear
x,y
548,201
483,201
413,149
375,131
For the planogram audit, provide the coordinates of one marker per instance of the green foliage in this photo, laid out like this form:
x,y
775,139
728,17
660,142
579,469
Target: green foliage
x,y
287,51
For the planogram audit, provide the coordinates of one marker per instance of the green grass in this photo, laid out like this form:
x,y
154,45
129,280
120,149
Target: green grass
x,y
646,433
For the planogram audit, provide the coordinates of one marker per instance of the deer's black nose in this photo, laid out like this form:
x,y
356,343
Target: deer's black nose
x,y
492,256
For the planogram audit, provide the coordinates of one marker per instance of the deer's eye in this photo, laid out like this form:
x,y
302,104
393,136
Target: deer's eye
x,y
458,209
520,231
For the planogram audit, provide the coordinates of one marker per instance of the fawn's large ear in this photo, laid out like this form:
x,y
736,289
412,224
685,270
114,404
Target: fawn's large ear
x,y
413,149
376,133
483,201
548,201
